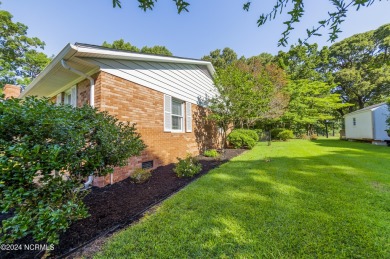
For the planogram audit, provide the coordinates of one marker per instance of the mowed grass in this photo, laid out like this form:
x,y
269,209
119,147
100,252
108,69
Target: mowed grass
x,y
327,198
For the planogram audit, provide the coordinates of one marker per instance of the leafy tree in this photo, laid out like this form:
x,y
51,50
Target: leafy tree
x,y
263,58
221,59
122,45
361,67
19,59
158,50
248,92
45,153
181,5
295,9
311,104
305,62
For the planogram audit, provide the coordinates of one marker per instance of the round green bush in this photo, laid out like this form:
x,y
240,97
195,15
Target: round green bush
x,y
240,140
250,133
285,135
275,132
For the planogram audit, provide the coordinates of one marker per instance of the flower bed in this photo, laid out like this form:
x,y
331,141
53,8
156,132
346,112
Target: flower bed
x,y
117,205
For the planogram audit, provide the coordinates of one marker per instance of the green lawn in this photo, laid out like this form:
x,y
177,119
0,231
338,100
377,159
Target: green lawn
x,y
327,198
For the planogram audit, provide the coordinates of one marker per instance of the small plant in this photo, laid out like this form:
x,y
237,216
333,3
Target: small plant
x,y
140,175
187,167
304,136
313,137
285,135
211,153
267,159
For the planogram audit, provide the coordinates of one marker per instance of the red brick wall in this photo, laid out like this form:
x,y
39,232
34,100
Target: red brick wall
x,y
141,105
83,91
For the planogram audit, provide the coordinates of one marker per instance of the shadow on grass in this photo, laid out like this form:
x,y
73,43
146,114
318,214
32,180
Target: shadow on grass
x,y
317,205
300,207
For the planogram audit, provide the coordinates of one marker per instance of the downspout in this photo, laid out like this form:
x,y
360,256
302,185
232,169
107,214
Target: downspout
x,y
91,102
91,81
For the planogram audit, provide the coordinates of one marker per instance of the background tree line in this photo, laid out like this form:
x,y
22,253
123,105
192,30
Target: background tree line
x,y
315,85
299,89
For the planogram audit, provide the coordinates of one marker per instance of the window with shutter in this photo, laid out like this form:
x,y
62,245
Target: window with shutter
x,y
70,96
188,117
177,115
73,97
167,113
175,110
59,99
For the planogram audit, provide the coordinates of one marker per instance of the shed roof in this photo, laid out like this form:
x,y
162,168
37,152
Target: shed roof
x,y
368,108
54,78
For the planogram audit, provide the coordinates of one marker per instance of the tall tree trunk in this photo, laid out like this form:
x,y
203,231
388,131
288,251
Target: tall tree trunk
x,y
360,102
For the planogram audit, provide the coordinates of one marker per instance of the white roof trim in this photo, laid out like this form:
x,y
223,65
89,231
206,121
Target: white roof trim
x,y
366,109
118,54
68,50
80,51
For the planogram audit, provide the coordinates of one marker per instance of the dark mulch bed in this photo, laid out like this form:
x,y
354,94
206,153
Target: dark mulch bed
x,y
120,204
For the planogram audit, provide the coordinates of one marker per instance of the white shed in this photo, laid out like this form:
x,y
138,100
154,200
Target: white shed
x,y
368,123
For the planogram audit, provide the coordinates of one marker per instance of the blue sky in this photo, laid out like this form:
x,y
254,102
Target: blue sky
x,y
209,25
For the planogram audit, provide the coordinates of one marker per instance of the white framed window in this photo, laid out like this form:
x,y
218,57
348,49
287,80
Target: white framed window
x,y
354,121
177,115
175,110
68,97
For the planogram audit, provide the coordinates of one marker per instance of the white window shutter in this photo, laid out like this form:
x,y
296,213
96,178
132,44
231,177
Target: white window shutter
x,y
73,96
167,113
59,99
188,117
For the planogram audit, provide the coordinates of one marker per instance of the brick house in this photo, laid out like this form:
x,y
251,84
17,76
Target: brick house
x,y
162,95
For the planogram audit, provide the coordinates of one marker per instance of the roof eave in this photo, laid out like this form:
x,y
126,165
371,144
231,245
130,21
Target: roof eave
x,y
117,54
68,51
369,108
71,50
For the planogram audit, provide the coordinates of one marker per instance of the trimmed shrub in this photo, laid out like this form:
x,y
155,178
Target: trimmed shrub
x,y
250,133
46,152
275,132
187,167
140,175
240,140
285,135
211,153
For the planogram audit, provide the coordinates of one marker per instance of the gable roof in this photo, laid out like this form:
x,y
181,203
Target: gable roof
x,y
368,108
84,57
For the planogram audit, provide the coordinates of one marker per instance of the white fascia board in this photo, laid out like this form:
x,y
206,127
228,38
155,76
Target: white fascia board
x,y
68,51
356,112
117,54
370,108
